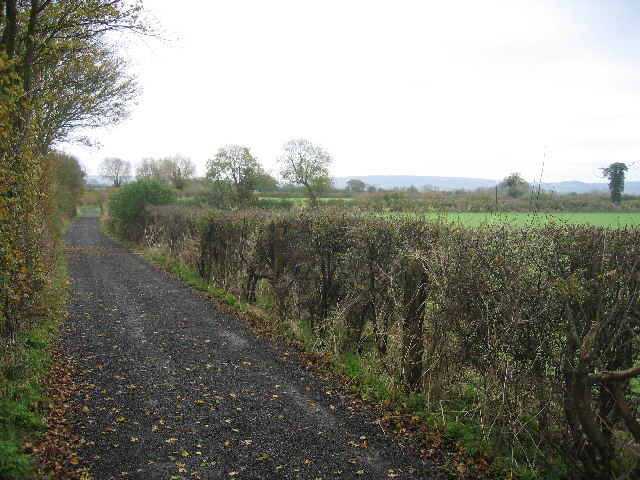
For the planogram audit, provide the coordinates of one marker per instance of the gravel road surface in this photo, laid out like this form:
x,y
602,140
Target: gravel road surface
x,y
172,388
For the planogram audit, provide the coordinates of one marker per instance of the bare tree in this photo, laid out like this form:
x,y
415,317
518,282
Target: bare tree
x,y
148,169
176,169
116,169
172,170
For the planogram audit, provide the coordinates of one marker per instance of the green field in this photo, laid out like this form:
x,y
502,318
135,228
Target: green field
x,y
522,219
596,219
303,201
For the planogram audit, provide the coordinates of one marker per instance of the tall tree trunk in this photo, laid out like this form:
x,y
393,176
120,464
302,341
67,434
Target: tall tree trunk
x,y
29,54
10,29
313,198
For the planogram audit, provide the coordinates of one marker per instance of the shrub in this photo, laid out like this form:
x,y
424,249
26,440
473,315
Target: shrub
x,y
126,206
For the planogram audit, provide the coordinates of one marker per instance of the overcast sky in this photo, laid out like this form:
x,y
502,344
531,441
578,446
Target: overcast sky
x,y
550,89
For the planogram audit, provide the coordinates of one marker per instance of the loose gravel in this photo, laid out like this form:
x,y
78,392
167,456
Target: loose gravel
x,y
174,389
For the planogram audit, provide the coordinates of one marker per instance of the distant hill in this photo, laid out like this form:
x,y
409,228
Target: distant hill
x,y
457,183
446,183
632,188
405,181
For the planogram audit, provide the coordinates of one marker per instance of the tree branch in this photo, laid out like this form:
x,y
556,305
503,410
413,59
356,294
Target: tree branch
x,y
615,376
628,416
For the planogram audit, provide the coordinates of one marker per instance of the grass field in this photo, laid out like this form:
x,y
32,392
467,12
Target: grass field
x,y
303,201
596,219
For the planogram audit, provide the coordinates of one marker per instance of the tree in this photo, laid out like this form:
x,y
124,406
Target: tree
x,y
59,53
305,164
355,185
514,185
176,170
148,169
235,169
412,190
94,90
615,173
58,72
173,170
116,169
266,183
70,182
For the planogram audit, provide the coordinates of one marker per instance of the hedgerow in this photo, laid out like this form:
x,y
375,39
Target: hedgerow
x,y
521,341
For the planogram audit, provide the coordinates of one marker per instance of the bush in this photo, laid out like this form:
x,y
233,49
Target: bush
x,y
126,206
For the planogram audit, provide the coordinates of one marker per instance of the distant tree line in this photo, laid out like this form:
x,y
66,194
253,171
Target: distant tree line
x,y
234,177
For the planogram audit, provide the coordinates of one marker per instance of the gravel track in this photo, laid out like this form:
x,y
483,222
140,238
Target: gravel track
x,y
172,388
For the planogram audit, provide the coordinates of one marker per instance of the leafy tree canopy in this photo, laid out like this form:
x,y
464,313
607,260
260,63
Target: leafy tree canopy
x,y
615,173
234,169
514,185
306,164
355,185
59,53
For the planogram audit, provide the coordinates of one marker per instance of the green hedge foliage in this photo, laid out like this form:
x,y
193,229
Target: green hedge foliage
x,y
525,339
126,206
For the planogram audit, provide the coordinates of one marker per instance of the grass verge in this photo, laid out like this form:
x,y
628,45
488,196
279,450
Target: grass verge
x,y
191,277
24,370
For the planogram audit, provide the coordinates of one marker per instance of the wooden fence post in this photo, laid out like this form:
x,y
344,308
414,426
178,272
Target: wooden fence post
x,y
415,295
